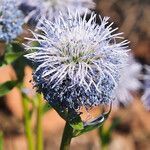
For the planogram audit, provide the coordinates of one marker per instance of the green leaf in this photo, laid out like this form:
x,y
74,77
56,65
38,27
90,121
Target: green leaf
x,y
9,48
115,123
2,61
20,63
106,134
1,141
19,66
6,87
11,57
11,54
77,123
45,108
17,47
90,126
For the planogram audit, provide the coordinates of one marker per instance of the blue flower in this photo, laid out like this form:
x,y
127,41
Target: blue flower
x,y
34,9
146,95
77,63
129,82
11,21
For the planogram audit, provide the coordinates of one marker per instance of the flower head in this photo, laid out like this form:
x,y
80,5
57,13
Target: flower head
x,y
129,82
77,62
146,95
11,20
51,8
54,7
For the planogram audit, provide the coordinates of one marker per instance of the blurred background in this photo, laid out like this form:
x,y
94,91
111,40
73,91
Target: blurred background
x,y
131,130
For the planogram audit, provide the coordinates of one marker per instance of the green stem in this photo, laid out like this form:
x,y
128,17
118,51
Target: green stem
x,y
104,138
39,140
67,136
104,147
27,122
1,140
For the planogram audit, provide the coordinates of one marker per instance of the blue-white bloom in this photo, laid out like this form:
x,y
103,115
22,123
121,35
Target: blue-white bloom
x,y
77,62
11,20
54,7
129,82
146,96
51,8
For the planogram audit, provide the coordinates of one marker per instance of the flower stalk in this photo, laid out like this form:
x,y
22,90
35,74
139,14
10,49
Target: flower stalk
x,y
104,139
67,136
39,140
28,128
1,140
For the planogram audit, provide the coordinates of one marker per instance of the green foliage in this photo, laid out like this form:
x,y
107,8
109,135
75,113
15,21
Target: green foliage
x,y
10,55
46,107
106,134
6,87
77,127
19,66
27,122
39,133
20,63
77,124
14,55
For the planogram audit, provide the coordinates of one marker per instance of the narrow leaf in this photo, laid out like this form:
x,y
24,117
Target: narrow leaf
x,y
11,57
45,108
6,87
